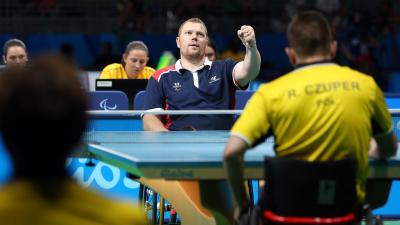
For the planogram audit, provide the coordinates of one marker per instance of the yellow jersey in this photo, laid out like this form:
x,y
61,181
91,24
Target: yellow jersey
x,y
62,203
318,112
117,71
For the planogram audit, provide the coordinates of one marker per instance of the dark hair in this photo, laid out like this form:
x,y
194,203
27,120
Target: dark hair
x,y
211,44
42,114
12,43
309,33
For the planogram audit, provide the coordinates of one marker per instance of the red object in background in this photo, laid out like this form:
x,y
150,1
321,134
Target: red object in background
x,y
172,214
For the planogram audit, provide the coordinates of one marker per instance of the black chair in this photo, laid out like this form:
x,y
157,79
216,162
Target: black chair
x,y
301,192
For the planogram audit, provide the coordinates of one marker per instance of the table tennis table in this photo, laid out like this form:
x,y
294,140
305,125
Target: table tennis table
x,y
162,160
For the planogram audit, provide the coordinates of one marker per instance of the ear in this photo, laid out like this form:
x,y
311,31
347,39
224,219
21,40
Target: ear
x,y
291,55
4,59
333,49
124,57
177,42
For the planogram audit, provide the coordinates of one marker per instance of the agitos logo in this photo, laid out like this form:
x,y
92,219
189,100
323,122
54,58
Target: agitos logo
x,y
103,104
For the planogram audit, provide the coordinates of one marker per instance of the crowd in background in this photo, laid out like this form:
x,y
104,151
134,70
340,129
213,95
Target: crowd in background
x,y
367,32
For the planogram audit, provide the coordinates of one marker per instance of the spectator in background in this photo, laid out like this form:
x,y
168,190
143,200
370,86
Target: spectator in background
x,y
328,6
133,65
235,50
15,53
67,51
43,114
211,50
357,50
105,57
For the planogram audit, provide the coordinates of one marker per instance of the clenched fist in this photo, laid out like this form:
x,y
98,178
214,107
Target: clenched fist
x,y
247,36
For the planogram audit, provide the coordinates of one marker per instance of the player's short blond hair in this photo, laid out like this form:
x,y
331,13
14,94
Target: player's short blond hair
x,y
193,20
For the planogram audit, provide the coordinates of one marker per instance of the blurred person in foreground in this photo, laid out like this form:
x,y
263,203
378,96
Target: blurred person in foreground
x,y
15,53
133,64
320,111
42,118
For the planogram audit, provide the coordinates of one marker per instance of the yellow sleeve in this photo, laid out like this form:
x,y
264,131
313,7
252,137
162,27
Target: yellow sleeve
x,y
147,72
105,73
133,215
140,217
381,120
113,71
253,124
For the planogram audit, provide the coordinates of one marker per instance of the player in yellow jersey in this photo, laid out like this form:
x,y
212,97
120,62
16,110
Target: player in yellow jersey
x,y
320,111
133,65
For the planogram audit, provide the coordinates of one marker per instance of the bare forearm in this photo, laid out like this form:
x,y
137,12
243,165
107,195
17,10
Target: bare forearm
x,y
373,151
152,123
383,146
233,163
234,168
248,69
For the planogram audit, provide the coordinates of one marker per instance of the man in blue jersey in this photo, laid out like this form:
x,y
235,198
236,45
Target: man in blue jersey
x,y
195,83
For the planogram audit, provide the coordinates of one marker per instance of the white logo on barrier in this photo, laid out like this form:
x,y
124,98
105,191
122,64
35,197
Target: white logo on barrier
x,y
103,105
98,177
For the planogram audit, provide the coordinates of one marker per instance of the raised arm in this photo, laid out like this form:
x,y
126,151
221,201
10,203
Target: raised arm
x,y
248,69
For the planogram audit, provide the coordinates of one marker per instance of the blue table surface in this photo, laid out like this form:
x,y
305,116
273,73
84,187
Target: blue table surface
x,y
201,148
182,147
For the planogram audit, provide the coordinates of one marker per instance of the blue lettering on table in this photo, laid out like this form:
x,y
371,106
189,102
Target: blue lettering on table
x,y
103,177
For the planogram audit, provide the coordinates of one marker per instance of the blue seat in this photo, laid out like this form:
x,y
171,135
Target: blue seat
x,y
107,100
138,101
241,98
